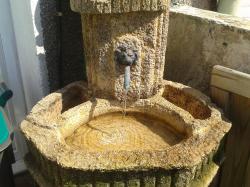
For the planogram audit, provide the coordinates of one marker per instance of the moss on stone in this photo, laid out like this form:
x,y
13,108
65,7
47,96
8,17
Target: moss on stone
x,y
206,177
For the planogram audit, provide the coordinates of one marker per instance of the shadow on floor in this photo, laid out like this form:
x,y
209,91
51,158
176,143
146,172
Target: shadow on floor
x,y
24,180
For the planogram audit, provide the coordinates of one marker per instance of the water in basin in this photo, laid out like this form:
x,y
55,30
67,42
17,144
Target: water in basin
x,y
135,131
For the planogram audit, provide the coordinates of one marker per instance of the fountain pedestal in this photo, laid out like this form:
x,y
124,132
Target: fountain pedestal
x,y
140,26
171,134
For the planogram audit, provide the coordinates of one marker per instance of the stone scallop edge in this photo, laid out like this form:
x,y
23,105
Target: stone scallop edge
x,y
187,159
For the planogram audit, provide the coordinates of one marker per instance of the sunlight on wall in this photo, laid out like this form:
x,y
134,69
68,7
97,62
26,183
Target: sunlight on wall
x,y
239,8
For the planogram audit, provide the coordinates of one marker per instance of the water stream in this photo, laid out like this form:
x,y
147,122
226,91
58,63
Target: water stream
x,y
125,94
126,88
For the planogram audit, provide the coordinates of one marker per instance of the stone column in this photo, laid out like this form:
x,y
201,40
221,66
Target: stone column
x,y
136,26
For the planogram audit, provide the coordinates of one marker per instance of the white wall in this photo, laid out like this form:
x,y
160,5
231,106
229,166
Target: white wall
x,y
26,21
239,8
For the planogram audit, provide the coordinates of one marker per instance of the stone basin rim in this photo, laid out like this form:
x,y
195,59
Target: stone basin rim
x,y
191,155
48,141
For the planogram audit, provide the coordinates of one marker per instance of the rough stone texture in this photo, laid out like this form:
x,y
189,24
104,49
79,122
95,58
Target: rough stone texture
x,y
195,121
58,115
64,48
104,33
200,39
51,40
117,6
129,133
202,4
72,54
62,38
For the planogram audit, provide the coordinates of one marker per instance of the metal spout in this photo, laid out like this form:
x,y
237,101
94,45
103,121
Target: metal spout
x,y
127,57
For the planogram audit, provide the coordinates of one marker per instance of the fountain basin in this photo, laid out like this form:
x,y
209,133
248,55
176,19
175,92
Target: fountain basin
x,y
171,138
124,132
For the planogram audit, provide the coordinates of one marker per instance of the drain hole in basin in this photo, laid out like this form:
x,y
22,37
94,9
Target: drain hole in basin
x,y
72,97
113,131
187,102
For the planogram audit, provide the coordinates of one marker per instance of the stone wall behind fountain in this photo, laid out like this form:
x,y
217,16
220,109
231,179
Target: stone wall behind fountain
x,y
200,39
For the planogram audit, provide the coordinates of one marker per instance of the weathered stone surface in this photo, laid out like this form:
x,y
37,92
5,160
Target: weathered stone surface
x,y
71,64
146,31
55,118
117,6
49,37
174,130
140,24
200,39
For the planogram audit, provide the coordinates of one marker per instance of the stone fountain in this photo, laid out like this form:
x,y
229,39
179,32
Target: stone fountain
x,y
126,126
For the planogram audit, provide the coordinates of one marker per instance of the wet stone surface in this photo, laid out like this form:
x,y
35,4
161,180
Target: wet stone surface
x,y
115,131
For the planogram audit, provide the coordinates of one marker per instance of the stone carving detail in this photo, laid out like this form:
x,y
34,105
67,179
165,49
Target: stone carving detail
x,y
132,45
146,31
126,55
